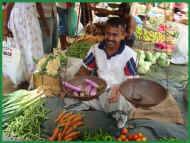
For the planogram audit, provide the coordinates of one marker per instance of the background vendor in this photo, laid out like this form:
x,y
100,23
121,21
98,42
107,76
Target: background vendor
x,y
124,13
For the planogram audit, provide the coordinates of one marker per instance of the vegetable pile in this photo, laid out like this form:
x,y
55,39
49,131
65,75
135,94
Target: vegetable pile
x,y
124,136
51,64
67,124
27,126
16,103
79,49
90,38
147,59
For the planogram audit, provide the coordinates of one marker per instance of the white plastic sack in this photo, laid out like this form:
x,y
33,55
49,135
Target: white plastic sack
x,y
180,55
12,61
74,65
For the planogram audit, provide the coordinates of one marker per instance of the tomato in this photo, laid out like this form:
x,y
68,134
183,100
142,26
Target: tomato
x,y
135,136
124,131
130,137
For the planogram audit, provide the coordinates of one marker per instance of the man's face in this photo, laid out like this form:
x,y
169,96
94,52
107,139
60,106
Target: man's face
x,y
113,36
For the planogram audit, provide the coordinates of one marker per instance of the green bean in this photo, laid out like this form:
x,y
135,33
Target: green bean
x,y
27,125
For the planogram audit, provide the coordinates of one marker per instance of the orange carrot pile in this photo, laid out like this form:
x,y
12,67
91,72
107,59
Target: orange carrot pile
x,y
67,123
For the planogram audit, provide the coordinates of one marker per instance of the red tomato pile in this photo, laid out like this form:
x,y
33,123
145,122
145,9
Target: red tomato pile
x,y
124,136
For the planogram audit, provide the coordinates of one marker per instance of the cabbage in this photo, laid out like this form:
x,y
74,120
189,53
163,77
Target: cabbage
x,y
153,60
144,67
147,64
149,56
164,62
163,56
142,70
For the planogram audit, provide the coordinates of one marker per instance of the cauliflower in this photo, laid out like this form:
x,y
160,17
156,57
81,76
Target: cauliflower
x,y
53,66
41,64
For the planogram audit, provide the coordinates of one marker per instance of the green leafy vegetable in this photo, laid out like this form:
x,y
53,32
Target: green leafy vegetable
x,y
26,126
79,49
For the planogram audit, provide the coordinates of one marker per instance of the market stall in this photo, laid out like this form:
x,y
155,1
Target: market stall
x,y
52,109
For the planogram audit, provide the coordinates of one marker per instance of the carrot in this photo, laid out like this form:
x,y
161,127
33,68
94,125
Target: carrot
x,y
60,116
72,135
54,135
78,118
77,124
60,136
67,126
64,117
62,124
67,115
69,131
70,118
75,121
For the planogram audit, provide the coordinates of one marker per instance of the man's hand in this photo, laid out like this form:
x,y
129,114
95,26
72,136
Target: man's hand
x,y
115,93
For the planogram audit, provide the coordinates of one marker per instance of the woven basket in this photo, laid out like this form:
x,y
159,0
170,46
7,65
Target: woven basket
x,y
51,85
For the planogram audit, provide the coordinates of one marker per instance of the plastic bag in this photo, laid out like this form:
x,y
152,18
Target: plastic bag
x,y
12,61
72,22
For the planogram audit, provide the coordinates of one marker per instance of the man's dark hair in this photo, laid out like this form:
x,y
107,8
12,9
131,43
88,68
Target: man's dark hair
x,y
115,22
124,8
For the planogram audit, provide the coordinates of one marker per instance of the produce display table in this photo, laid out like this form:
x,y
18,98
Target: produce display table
x,y
153,130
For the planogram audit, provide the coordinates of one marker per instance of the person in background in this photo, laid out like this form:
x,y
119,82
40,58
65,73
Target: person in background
x,y
179,11
86,14
62,9
22,24
48,22
178,7
124,13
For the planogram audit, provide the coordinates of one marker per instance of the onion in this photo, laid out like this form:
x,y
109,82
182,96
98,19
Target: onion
x,y
92,83
72,87
93,92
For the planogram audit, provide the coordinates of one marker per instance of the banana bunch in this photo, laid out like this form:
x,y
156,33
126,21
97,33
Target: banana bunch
x,y
152,36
